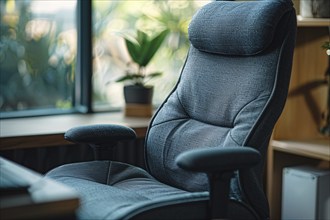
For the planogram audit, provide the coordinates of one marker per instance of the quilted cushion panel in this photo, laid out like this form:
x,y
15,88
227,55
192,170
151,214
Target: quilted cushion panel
x,y
112,190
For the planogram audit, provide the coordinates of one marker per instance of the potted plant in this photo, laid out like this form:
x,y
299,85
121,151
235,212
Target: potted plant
x,y
137,94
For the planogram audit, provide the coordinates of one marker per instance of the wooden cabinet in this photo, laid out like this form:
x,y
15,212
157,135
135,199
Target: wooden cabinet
x,y
296,138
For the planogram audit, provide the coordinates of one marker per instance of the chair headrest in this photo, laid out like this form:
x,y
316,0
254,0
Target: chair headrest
x,y
237,28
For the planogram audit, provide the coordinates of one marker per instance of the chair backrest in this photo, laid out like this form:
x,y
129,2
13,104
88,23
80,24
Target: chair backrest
x,y
231,92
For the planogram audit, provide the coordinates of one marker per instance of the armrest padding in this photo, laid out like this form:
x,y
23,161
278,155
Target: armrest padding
x,y
99,134
212,160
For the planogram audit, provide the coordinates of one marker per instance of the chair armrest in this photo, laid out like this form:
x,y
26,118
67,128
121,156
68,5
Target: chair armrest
x,y
99,134
101,137
215,160
219,164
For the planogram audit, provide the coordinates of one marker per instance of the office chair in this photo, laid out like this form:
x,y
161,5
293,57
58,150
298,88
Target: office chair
x,y
206,145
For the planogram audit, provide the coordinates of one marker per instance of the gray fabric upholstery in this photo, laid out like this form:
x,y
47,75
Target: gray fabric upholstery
x,y
246,33
224,101
230,93
112,190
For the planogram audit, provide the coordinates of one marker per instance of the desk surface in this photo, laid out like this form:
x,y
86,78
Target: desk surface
x,y
49,130
44,197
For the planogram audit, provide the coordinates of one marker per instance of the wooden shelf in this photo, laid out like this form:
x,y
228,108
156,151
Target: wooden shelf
x,y
290,153
296,138
312,22
314,148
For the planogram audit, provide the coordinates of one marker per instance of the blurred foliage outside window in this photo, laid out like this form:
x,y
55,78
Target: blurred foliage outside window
x,y
38,41
113,20
38,46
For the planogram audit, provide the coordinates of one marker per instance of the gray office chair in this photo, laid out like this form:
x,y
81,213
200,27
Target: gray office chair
x,y
206,145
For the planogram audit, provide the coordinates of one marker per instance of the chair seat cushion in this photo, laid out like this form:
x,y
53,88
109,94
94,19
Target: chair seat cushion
x,y
114,190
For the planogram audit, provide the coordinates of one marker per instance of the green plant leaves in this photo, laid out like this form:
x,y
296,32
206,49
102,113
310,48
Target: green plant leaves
x,y
156,74
130,77
326,45
143,50
133,50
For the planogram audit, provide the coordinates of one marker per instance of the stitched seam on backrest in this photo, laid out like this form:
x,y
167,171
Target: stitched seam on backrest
x,y
261,96
109,172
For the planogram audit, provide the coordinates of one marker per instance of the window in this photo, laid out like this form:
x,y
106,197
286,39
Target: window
x,y
43,67
37,55
113,20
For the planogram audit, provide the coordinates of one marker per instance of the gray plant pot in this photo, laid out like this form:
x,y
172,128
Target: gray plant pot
x,y
138,94
315,8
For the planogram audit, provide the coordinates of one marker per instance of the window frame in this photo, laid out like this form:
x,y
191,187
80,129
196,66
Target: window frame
x,y
84,71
